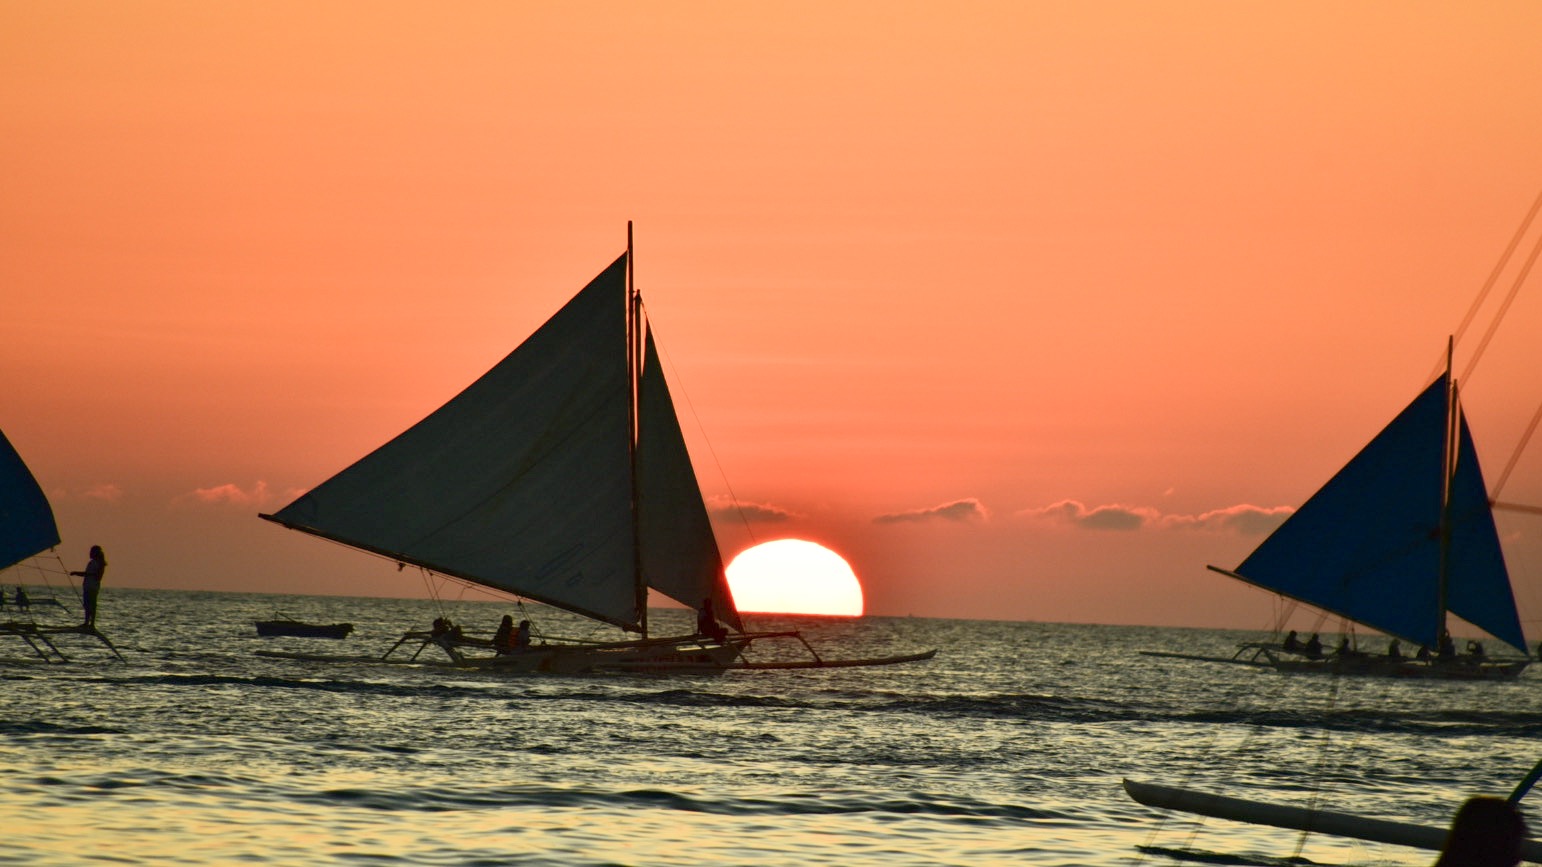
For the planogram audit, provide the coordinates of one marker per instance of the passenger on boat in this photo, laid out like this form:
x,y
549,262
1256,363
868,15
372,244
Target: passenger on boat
x,y
91,582
1313,647
1424,653
1487,832
1447,648
22,601
1292,644
1394,650
503,639
1475,649
522,635
706,623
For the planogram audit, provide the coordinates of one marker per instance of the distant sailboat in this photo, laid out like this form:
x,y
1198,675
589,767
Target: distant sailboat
x,y
27,528
560,476
1403,534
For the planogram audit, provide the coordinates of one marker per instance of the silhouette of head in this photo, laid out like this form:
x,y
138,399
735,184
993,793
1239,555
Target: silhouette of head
x,y
1487,832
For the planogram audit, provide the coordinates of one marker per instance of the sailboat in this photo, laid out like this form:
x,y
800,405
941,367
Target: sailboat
x,y
560,476
27,529
1401,536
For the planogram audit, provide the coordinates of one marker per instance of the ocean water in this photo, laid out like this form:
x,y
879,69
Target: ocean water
x,y
1007,748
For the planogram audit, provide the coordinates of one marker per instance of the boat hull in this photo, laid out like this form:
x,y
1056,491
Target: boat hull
x,y
296,629
1300,818
1370,665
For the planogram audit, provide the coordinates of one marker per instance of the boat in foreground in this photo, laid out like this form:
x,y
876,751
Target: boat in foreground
x,y
560,476
1301,818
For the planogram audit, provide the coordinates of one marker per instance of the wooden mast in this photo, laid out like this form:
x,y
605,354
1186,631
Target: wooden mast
x,y
1448,476
634,344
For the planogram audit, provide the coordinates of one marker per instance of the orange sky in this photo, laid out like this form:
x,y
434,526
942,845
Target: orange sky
x,y
1174,258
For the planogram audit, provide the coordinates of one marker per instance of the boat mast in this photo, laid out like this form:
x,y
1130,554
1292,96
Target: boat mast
x,y
634,377
1448,475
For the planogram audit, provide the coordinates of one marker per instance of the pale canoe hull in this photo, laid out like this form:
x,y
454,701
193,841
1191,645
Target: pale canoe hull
x,y
1300,818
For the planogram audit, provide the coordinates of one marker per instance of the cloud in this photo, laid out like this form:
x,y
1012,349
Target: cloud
x,y
1244,519
756,513
227,495
106,492
967,509
1109,517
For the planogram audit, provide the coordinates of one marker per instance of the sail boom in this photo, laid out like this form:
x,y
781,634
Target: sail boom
x,y
1412,639
452,573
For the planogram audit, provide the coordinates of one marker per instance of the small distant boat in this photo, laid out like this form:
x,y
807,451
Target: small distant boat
x,y
300,629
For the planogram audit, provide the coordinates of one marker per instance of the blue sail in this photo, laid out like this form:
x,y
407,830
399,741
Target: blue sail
x,y
1478,586
1367,545
26,522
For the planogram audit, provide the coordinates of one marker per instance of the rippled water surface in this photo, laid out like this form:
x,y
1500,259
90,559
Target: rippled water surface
x,y
1007,748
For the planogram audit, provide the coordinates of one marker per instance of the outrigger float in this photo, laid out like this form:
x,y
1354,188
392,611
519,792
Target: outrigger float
x,y
40,637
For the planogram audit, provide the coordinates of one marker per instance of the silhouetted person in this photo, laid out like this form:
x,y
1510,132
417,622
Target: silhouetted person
x,y
503,639
22,601
1475,648
706,623
1313,647
1292,644
91,582
1394,650
522,635
1447,647
1487,832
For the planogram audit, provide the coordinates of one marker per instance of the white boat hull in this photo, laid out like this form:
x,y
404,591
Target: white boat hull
x,y
1301,818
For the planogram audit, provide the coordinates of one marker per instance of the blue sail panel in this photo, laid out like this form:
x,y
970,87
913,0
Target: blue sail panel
x,y
1367,545
1478,584
26,522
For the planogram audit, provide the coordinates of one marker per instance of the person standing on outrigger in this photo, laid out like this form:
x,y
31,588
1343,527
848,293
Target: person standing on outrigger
x,y
91,582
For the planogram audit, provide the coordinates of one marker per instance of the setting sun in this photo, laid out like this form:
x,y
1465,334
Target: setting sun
x,y
791,576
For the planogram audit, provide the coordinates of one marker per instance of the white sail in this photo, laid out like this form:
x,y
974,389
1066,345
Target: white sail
x,y
680,557
521,482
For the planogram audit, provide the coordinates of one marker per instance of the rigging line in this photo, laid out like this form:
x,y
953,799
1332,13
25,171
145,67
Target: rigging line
x,y
1504,476
1515,289
716,462
1504,260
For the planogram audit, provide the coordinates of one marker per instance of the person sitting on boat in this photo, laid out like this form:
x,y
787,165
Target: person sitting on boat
x,y
91,582
1475,649
1487,832
1313,648
22,601
1394,650
1424,653
503,639
1291,643
522,635
1447,648
706,623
